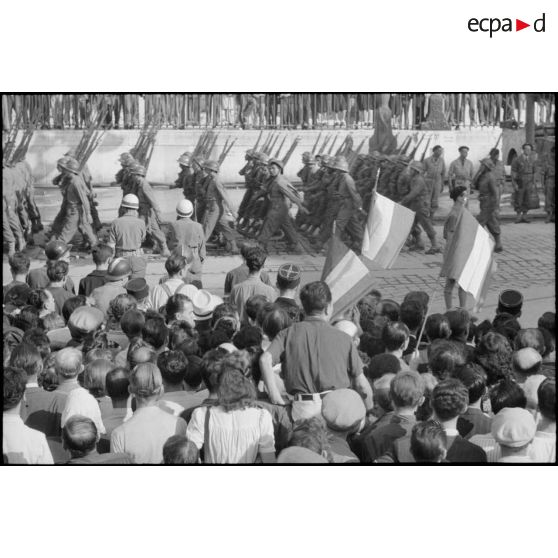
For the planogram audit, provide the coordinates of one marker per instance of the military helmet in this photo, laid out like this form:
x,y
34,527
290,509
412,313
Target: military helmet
x,y
184,160
250,153
340,163
186,154
263,158
130,201
327,160
71,153
138,169
488,163
70,164
126,158
306,156
56,248
211,165
417,165
118,269
276,162
184,208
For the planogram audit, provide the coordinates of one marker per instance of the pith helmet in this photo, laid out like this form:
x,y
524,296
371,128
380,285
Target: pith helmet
x,y
130,201
184,208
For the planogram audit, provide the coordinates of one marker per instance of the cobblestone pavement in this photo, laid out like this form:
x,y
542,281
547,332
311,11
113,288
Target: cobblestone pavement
x,y
527,263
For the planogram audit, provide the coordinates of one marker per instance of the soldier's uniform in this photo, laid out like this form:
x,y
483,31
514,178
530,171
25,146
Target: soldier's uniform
x,y
249,171
460,173
215,200
77,215
489,195
123,178
434,172
523,174
200,181
88,181
349,217
189,234
257,205
185,177
11,226
149,209
418,199
549,177
278,213
315,197
127,234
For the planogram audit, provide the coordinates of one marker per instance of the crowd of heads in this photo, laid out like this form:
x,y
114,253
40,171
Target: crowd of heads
x,y
433,366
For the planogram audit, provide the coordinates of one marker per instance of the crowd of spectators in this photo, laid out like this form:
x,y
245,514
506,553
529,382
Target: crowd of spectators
x,y
126,372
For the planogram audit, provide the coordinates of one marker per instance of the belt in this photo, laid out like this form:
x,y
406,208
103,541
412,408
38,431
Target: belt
x,y
120,251
310,396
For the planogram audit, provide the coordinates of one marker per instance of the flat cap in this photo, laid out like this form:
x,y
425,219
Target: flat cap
x,y
513,427
297,454
463,147
343,409
289,272
86,319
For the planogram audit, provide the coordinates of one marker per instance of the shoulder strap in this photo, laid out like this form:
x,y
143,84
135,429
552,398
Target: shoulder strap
x,y
167,290
206,436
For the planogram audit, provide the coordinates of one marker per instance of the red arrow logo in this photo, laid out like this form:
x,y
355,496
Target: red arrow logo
x,y
519,25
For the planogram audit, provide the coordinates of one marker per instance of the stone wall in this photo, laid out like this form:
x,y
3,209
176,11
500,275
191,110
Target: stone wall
x,y
49,145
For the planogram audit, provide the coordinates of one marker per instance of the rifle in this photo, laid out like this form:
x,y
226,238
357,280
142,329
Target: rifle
x,y
96,140
500,137
316,144
211,146
341,147
272,146
150,154
324,145
426,148
280,147
258,141
405,145
413,152
10,140
225,151
291,150
352,156
332,144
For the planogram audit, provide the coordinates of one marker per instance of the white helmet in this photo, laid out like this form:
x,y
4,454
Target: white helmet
x,y
185,208
131,201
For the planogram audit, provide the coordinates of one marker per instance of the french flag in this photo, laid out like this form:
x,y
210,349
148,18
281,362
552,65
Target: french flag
x,y
348,277
387,229
469,257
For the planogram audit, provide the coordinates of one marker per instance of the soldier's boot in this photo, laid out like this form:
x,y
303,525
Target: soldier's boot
x,y
498,246
418,245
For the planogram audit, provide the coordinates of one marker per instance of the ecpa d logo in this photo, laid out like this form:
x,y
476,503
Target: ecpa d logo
x,y
495,24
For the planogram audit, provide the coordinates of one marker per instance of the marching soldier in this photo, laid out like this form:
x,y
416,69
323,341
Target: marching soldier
x,y
200,180
348,222
523,181
489,197
317,196
189,234
281,193
77,212
256,207
549,178
460,172
88,181
215,201
418,199
309,168
127,234
185,176
330,205
123,176
499,171
149,209
247,171
27,200
434,173
11,226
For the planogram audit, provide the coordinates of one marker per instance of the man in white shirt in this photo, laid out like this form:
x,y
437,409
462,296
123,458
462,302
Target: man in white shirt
x,y
144,435
20,444
177,268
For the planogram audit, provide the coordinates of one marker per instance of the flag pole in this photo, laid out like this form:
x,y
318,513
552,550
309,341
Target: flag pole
x,y
436,286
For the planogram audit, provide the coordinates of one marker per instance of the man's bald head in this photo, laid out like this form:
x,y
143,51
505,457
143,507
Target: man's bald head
x,y
68,362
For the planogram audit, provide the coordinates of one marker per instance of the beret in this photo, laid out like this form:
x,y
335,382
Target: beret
x,y
86,319
289,272
513,427
343,409
137,288
297,454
